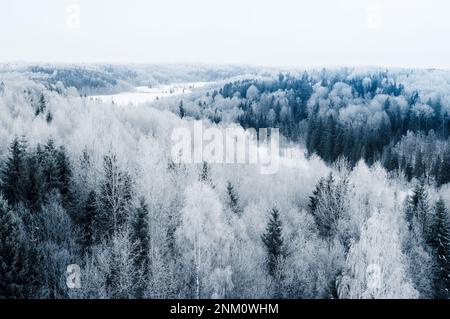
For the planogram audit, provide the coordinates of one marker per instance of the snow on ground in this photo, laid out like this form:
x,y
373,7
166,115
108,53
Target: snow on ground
x,y
143,94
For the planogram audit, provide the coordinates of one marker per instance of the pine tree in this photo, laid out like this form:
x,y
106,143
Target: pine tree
x,y
233,199
328,204
86,219
328,140
314,199
205,175
419,167
418,209
444,169
273,241
181,110
65,175
49,117
140,237
315,128
33,184
338,149
41,105
390,160
14,170
50,169
441,245
409,171
141,234
435,170
16,274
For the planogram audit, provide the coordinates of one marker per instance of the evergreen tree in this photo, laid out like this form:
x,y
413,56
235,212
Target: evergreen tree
x,y
328,140
41,105
441,245
313,139
314,199
16,273
444,169
49,117
418,210
273,242
14,170
205,175
328,204
181,110
419,167
141,234
339,143
408,171
435,169
140,237
390,160
65,175
50,169
86,220
233,199
33,184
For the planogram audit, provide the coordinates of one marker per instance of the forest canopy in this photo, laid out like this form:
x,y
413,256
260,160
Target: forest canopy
x,y
361,213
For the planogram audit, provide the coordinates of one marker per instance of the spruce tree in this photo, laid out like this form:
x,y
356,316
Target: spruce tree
x,y
418,210
273,242
205,175
49,117
50,169
181,110
86,219
409,171
444,169
390,160
435,170
419,167
65,175
339,143
33,184
441,245
16,273
328,140
41,105
233,199
328,204
140,236
14,170
314,199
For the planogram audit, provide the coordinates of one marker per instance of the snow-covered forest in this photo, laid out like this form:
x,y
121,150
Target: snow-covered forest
x,y
359,207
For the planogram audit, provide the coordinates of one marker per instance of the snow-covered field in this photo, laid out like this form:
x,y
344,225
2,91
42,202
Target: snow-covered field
x,y
143,94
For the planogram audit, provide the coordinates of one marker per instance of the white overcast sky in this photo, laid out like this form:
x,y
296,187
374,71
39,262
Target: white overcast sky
x,y
411,33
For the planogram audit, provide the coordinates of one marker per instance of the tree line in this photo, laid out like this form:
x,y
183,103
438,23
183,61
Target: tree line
x,y
338,115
